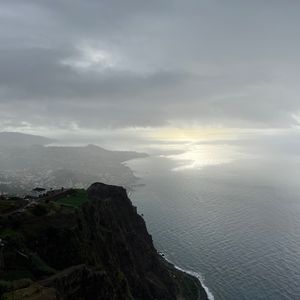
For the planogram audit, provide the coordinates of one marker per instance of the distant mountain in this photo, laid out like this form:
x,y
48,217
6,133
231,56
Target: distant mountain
x,y
22,139
27,163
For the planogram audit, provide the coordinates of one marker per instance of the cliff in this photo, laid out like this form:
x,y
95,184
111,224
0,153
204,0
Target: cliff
x,y
97,249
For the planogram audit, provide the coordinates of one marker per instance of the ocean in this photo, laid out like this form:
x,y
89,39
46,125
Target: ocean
x,y
235,222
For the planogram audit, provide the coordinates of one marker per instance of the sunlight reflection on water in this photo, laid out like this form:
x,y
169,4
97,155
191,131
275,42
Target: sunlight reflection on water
x,y
199,156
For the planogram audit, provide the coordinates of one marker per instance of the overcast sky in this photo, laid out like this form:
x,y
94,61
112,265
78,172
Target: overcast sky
x,y
89,65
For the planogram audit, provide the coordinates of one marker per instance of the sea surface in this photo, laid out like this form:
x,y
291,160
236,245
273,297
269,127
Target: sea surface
x,y
235,222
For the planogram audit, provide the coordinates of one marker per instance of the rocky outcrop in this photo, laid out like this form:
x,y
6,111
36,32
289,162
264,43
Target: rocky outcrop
x,y
101,250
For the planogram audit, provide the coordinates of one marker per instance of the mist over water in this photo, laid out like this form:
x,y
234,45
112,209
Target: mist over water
x,y
234,221
210,89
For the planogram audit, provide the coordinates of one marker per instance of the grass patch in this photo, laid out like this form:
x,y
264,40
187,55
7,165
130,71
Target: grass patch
x,y
8,232
5,286
17,274
7,206
75,200
40,210
40,266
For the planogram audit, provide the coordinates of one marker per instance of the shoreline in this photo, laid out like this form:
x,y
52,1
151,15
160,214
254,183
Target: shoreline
x,y
196,275
209,294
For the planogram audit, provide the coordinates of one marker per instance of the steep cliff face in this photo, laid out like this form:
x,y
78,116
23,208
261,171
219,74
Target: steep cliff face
x,y
101,250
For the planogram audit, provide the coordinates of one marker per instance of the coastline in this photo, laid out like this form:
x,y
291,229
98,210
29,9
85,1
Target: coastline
x,y
193,274
104,222
163,255
209,294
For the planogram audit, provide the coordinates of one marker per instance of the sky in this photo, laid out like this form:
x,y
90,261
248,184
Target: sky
x,y
165,69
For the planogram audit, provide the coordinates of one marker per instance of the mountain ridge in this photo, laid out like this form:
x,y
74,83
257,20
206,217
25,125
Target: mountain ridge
x,y
27,164
23,139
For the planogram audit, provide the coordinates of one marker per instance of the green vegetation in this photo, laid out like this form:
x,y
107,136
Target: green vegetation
x,y
40,266
9,286
8,232
65,246
40,210
75,200
7,206
17,274
4,286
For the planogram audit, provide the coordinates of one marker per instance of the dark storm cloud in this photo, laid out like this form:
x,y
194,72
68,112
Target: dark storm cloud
x,y
127,63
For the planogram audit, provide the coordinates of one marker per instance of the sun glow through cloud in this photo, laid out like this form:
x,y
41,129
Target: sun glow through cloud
x,y
90,58
193,134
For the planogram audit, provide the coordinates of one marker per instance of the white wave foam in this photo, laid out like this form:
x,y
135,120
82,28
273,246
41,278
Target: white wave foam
x,y
194,274
199,277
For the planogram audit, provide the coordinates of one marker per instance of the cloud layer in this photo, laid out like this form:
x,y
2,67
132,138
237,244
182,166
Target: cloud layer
x,y
101,64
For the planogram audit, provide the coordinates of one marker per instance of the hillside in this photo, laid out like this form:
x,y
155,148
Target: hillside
x,y
30,164
21,139
95,248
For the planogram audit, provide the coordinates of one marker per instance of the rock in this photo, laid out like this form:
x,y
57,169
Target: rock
x,y
102,250
33,292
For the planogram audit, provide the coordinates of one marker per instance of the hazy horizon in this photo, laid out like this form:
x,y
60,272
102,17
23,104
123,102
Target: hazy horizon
x,y
209,88
198,70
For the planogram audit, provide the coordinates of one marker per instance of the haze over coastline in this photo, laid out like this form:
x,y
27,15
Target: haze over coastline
x,y
191,105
